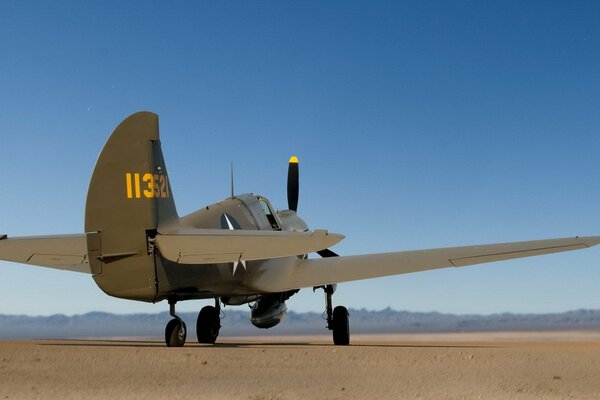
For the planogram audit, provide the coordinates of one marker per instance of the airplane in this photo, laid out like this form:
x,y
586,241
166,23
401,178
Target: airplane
x,y
237,251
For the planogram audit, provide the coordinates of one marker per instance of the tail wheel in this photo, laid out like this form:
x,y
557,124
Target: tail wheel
x,y
341,326
175,333
208,325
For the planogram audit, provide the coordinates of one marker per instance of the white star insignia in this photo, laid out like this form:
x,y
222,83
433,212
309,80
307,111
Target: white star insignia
x,y
240,261
236,263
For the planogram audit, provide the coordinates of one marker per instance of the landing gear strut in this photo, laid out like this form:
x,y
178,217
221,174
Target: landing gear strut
x,y
337,319
208,323
175,332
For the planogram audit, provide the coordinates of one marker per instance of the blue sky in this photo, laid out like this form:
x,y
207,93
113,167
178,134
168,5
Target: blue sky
x,y
418,124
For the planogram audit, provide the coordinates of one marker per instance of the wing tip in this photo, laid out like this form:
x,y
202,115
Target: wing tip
x,y
589,241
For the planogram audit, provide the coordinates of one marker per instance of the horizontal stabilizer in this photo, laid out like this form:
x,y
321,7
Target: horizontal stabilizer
x,y
66,252
212,246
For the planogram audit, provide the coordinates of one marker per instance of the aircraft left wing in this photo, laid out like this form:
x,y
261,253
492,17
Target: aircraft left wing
x,y
66,252
323,271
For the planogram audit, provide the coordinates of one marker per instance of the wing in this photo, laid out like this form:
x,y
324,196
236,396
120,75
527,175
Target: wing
x,y
209,246
317,272
66,252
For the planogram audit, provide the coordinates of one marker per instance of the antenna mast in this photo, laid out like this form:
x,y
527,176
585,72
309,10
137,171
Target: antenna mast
x,y
232,180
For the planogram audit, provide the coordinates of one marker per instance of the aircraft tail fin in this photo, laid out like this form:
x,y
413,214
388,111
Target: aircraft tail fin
x,y
130,187
129,195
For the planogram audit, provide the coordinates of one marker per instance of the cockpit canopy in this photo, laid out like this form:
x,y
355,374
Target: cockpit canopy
x,y
244,211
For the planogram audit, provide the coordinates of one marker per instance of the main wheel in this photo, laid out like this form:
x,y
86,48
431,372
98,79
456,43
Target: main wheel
x,y
175,333
341,326
208,325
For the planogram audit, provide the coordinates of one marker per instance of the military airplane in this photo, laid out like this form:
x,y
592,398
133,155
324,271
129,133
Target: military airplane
x,y
237,251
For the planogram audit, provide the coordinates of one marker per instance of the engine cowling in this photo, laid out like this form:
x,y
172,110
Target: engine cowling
x,y
290,221
267,312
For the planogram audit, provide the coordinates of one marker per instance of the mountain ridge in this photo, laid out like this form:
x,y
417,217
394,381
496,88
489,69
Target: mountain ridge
x,y
98,324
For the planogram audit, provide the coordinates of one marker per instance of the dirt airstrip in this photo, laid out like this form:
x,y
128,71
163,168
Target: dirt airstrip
x,y
434,366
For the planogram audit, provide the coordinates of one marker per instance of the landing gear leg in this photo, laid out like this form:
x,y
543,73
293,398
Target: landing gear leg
x,y
175,332
329,289
208,323
337,319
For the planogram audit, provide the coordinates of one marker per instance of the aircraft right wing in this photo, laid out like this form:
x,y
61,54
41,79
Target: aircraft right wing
x,y
317,272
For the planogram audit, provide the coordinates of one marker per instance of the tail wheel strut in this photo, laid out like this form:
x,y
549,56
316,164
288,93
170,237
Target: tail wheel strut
x,y
175,331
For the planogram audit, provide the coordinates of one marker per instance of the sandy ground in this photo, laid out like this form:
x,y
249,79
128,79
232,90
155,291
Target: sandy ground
x,y
450,366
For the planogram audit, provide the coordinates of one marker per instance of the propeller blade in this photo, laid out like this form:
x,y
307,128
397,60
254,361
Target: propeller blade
x,y
327,253
293,183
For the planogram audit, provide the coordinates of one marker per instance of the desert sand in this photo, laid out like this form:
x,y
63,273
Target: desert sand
x,y
434,366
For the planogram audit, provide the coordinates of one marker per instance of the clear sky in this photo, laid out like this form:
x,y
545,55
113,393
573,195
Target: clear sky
x,y
418,124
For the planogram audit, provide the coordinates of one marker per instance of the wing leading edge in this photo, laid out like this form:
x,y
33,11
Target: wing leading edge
x,y
317,272
65,252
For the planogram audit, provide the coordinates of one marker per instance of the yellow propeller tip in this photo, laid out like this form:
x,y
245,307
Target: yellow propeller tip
x,y
293,160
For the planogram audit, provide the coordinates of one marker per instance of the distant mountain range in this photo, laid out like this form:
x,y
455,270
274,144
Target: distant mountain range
x,y
236,323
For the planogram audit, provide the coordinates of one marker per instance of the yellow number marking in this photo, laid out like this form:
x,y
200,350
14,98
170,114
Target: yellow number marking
x,y
156,180
137,185
164,187
155,185
129,190
149,191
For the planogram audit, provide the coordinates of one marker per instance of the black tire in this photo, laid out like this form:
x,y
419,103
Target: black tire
x,y
208,325
175,333
341,326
